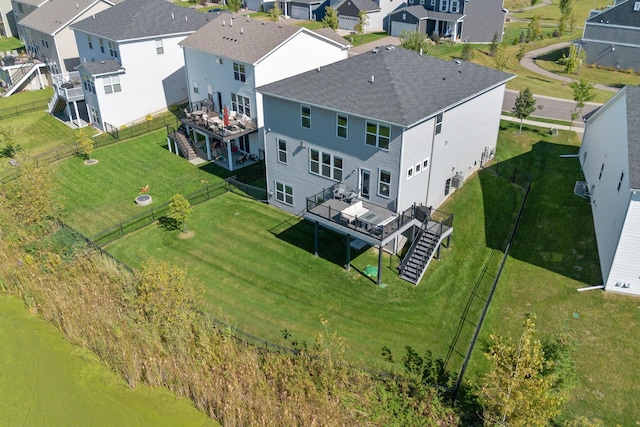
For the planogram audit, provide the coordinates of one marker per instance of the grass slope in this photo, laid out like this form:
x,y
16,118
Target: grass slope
x,y
39,131
45,380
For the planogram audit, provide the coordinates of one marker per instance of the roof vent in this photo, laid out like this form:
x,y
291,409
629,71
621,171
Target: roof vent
x,y
458,61
102,62
241,30
93,16
231,22
223,23
391,48
372,78
172,16
77,6
420,51
186,18
375,50
318,69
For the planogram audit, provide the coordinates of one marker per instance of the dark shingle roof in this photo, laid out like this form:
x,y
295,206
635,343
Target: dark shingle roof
x,y
135,19
633,134
621,14
406,87
421,13
53,16
246,40
97,68
368,5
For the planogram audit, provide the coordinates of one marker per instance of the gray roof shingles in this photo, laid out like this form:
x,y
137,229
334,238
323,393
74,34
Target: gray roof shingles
x,y
97,68
136,19
406,87
421,13
621,14
243,39
52,16
633,134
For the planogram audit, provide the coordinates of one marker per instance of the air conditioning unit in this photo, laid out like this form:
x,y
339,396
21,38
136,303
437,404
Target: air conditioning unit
x,y
457,180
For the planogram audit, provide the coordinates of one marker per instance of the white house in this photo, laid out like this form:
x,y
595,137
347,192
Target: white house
x,y
610,160
131,61
46,31
229,57
370,145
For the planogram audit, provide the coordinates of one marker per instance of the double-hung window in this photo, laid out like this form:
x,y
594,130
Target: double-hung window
x,y
113,51
240,104
444,5
342,123
88,83
111,84
284,193
282,151
196,87
159,47
305,116
90,42
101,45
378,135
325,164
455,6
239,72
438,124
384,183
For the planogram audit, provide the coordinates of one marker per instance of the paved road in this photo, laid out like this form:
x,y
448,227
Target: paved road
x,y
548,107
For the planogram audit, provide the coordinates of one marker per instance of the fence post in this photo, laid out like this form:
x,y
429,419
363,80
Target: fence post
x,y
153,217
208,192
121,230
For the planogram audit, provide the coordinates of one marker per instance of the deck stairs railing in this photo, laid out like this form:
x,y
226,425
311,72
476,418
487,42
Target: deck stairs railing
x,y
185,143
19,77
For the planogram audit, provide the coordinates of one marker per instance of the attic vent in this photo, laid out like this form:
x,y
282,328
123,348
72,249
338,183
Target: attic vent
x,y
636,6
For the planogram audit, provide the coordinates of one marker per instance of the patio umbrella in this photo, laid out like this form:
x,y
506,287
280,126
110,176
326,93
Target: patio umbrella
x,y
226,115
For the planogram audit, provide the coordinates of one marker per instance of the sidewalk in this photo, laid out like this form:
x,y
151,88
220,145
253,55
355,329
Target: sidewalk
x,y
575,128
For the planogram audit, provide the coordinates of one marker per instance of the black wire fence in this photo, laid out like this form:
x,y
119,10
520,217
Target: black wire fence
x,y
5,113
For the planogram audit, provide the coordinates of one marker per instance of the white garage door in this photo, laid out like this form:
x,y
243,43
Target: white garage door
x,y
347,22
399,27
298,12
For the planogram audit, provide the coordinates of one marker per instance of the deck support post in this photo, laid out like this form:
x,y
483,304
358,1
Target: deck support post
x,y
438,252
380,264
348,250
315,239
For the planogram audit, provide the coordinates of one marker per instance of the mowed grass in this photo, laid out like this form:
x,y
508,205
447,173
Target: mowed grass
x,y
38,131
26,97
45,380
98,196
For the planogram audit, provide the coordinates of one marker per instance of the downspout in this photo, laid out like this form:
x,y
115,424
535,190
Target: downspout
x,y
433,142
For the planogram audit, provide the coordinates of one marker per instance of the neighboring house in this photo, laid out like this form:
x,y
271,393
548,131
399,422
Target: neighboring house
x,y
227,59
610,160
611,38
45,31
131,61
360,143
8,27
467,21
349,14
303,9
22,8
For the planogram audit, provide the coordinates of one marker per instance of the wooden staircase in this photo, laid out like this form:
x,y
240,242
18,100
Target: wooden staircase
x,y
184,143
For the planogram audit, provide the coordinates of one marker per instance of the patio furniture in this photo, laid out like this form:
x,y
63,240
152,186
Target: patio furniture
x,y
352,212
242,158
339,191
253,157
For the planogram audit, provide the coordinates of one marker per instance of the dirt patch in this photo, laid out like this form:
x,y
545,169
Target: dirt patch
x,y
187,235
90,162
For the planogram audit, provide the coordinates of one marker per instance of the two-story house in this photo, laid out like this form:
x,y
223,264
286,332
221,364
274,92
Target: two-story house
x,y
131,61
227,59
610,160
360,143
458,20
46,31
8,22
611,38
22,8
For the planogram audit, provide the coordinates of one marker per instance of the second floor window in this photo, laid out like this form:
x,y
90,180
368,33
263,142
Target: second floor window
x,y
45,43
159,47
384,183
282,151
90,42
240,104
325,164
378,135
111,84
196,88
88,83
305,116
101,45
112,50
444,5
438,124
342,123
455,6
239,72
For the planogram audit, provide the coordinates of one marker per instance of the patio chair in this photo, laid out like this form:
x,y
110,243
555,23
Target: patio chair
x,y
242,158
340,191
187,114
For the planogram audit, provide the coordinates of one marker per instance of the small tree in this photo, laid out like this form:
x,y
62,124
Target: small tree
x,y
10,147
234,5
330,19
574,61
414,40
467,52
363,19
524,105
533,2
519,388
535,32
501,58
85,142
582,93
275,13
180,210
493,49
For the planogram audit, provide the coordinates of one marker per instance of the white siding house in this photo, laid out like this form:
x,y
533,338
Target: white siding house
x,y
228,58
131,61
610,160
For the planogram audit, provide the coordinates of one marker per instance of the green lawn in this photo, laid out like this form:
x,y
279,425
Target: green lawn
x,y
10,43
25,98
45,380
550,14
39,131
99,196
358,39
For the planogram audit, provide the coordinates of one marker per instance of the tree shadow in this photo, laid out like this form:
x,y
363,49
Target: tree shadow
x,y
169,224
556,228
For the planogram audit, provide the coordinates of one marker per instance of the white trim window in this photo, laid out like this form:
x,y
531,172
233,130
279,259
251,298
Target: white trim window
x,y
455,6
425,164
111,84
45,43
444,5
113,51
241,104
342,124
101,45
95,116
305,116
284,193
377,135
239,72
88,84
325,164
418,168
282,151
384,183
90,42
438,124
159,47
410,173
196,86
433,3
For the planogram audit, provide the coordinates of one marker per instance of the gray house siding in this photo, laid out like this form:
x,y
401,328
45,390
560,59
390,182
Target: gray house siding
x,y
482,20
283,119
414,178
404,17
348,8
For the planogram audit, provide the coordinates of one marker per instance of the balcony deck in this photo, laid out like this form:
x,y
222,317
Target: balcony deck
x,y
214,129
68,86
